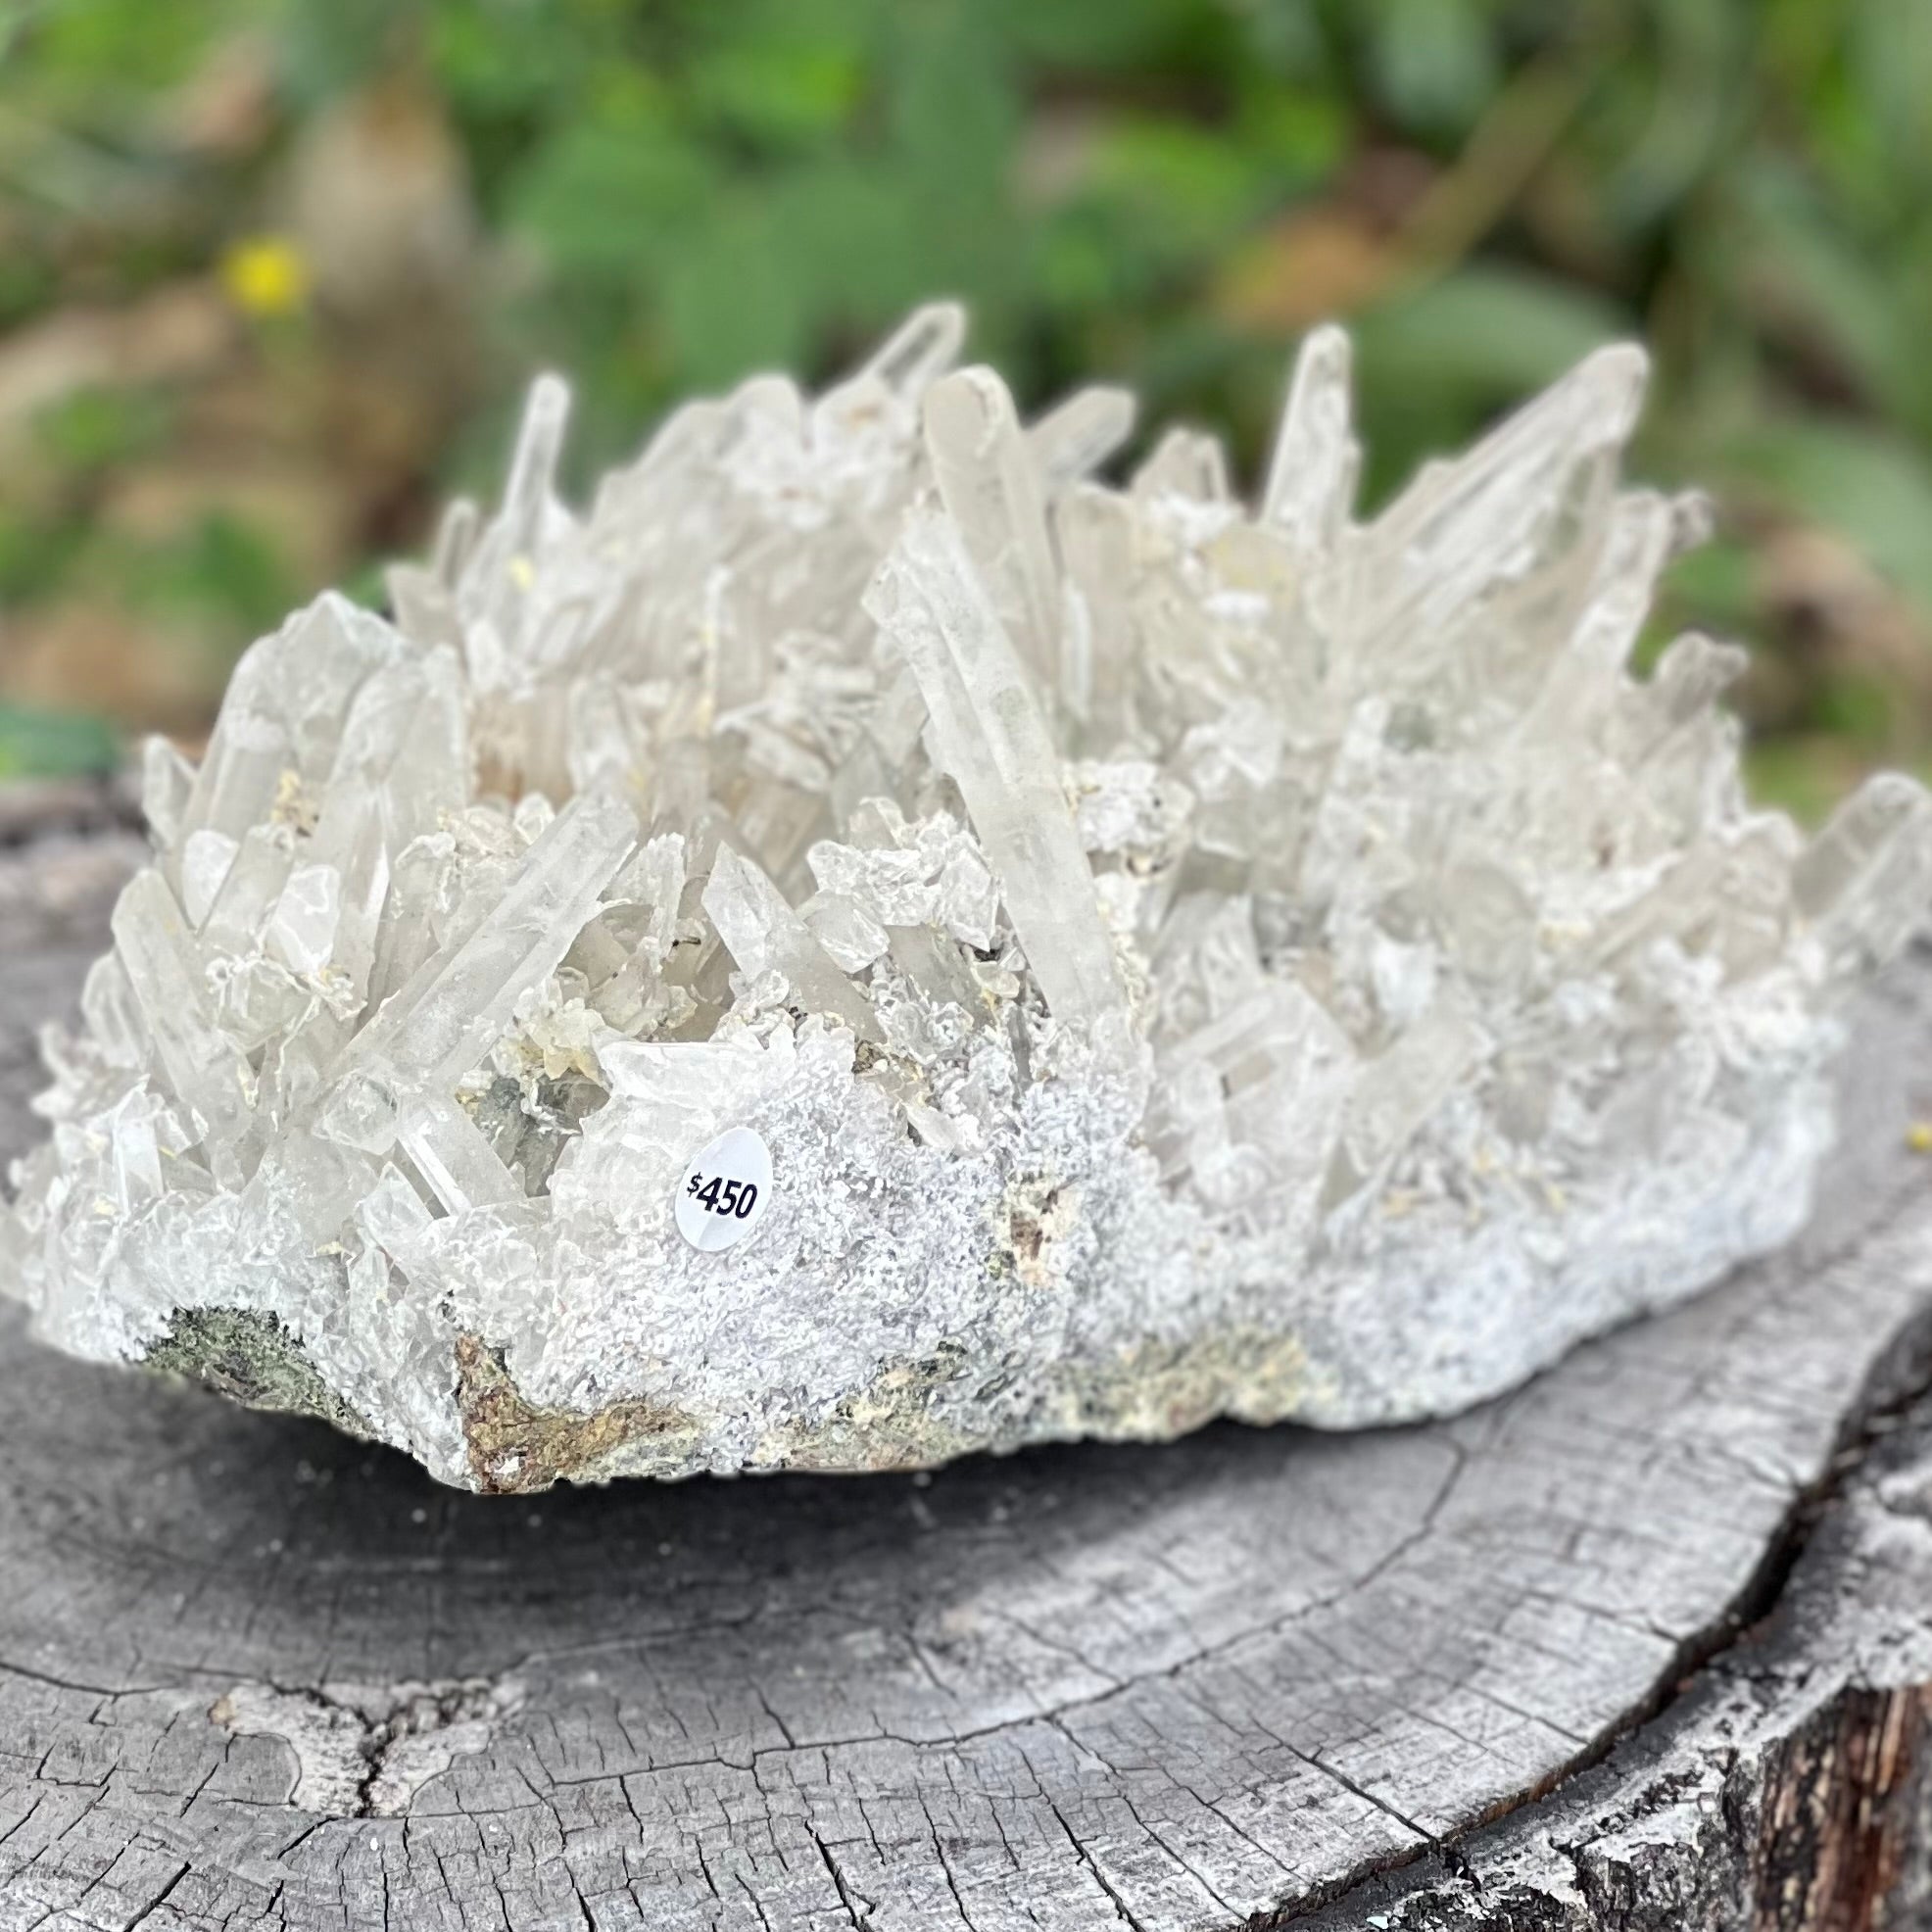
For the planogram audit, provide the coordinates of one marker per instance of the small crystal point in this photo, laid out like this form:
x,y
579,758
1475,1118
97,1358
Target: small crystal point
x,y
1075,439
1312,476
1867,875
1185,463
163,969
528,495
764,935
455,1158
1492,515
920,350
168,780
990,487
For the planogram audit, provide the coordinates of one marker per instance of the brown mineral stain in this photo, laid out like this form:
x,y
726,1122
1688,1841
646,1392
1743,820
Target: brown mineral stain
x,y
516,1447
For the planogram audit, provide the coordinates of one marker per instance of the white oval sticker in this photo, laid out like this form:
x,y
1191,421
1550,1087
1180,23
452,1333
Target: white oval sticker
x,y
725,1192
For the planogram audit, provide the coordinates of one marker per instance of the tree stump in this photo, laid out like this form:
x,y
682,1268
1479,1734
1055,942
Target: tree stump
x,y
1647,1643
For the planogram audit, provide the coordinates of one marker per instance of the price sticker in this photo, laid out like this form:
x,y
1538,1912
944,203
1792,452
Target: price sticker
x,y
725,1192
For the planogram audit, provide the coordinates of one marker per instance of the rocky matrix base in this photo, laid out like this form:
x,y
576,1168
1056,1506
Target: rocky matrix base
x,y
1166,958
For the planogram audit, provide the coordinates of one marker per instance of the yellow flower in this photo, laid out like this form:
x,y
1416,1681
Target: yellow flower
x,y
1918,1137
266,275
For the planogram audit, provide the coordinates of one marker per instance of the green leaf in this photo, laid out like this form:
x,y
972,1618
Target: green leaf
x,y
106,43
952,109
1298,135
1872,486
729,304
1185,190
1433,62
1081,35
498,60
94,430
35,557
1797,251
224,575
1891,72
614,196
1692,98
39,744
789,86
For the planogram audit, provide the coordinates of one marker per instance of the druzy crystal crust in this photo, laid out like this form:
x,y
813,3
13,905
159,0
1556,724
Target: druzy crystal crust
x,y
1180,957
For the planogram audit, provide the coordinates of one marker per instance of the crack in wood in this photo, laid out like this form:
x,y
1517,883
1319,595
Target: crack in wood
x,y
857,1909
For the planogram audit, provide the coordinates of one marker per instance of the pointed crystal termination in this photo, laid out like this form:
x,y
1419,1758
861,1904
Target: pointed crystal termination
x,y
1490,516
1581,685
250,889
930,603
455,1158
1868,876
764,934
1317,461
990,486
1397,1095
163,969
919,350
1185,463
443,1021
282,716
1075,439
529,499
1170,957
166,781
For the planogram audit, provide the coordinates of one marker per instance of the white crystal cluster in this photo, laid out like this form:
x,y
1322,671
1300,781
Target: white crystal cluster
x,y
1183,957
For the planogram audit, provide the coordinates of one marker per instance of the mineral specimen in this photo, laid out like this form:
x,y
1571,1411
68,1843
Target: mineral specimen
x,y
1112,956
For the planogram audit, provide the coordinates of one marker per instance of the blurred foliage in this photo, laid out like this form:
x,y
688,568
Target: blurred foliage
x,y
399,206
50,743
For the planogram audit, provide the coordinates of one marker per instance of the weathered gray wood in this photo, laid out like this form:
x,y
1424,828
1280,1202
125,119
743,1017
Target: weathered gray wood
x,y
1249,1677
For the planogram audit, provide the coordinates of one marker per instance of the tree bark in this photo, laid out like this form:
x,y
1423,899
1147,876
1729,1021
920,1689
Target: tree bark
x,y
1646,1644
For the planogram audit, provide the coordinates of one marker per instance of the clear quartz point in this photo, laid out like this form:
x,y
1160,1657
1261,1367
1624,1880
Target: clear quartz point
x,y
1180,957
1079,435
764,935
202,1068
1312,476
990,486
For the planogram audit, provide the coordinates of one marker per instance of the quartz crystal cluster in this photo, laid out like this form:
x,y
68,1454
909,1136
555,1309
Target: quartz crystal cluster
x,y
1182,956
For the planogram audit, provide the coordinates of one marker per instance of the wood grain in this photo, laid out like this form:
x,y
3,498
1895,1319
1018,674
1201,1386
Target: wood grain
x,y
1646,1643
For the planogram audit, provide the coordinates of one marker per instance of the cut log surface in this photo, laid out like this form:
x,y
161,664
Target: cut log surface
x,y
1647,1643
